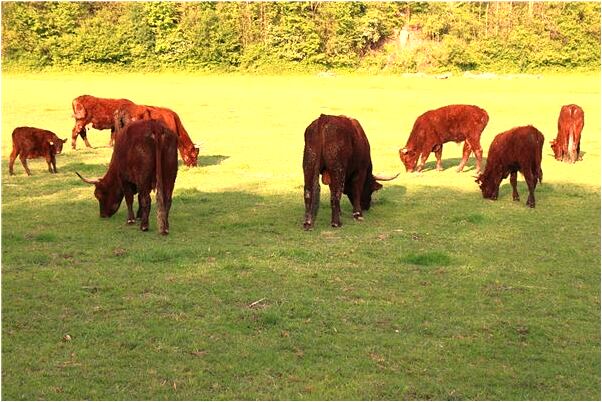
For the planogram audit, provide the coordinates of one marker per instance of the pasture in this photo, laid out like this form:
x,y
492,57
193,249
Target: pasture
x,y
437,294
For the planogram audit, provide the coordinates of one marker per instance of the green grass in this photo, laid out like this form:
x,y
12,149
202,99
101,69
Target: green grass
x,y
437,294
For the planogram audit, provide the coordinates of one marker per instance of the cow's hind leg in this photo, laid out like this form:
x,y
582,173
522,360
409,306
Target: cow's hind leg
x,y
531,180
337,182
466,149
515,196
145,206
24,163
475,146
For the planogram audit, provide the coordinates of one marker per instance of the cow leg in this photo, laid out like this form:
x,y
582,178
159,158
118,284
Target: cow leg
x,y
466,149
145,205
478,152
515,196
112,139
423,158
139,212
129,201
531,183
438,151
77,130
311,190
24,163
337,182
358,186
11,162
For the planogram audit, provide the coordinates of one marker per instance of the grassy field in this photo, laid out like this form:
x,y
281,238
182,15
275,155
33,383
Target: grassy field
x,y
437,294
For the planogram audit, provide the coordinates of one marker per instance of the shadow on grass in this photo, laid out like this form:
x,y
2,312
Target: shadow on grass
x,y
210,160
453,163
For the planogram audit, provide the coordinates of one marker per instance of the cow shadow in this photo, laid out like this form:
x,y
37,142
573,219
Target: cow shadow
x,y
211,160
453,163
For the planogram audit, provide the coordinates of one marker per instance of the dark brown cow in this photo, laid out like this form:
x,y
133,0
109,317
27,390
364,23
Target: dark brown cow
x,y
567,144
436,127
512,151
98,111
30,143
145,157
337,148
188,150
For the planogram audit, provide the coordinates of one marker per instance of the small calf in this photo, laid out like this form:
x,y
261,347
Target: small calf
x,y
30,143
518,149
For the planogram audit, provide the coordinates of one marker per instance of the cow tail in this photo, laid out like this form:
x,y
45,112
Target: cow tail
x,y
161,213
538,158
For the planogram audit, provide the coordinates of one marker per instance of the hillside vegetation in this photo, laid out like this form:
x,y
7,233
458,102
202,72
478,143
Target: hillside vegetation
x,y
249,36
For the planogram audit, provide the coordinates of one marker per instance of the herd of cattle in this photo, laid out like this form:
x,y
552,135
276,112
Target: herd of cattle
x,y
146,140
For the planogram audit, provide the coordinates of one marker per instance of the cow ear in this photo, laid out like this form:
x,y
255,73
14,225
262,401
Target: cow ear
x,y
403,151
64,141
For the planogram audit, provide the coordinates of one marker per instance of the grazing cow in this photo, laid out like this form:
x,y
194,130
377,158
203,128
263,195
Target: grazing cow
x,y
567,144
145,157
30,143
188,150
514,150
98,111
449,123
337,148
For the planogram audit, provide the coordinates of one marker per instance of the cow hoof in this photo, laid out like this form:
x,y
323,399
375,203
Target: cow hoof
x,y
131,221
308,226
358,217
336,225
515,199
144,228
165,232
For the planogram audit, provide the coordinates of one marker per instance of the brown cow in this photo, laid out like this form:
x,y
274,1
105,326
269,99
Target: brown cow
x,y
449,123
188,150
145,157
98,111
518,149
567,144
337,148
30,143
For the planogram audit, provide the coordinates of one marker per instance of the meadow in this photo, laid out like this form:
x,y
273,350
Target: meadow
x,y
437,294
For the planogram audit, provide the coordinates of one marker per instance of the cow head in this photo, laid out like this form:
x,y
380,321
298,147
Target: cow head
x,y
408,157
371,185
56,144
489,186
190,156
109,197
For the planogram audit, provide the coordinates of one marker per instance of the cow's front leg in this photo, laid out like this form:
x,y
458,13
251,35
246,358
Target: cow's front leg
x,y
515,196
129,201
423,158
357,187
24,163
465,155
438,152
51,161
112,139
78,129
145,204
11,162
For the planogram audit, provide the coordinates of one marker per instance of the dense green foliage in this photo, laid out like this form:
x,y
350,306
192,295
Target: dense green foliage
x,y
501,36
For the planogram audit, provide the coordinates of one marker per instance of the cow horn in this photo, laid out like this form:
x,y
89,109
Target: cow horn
x,y
87,180
385,178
